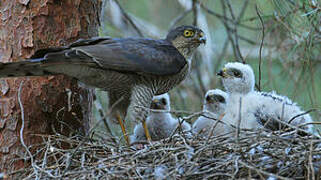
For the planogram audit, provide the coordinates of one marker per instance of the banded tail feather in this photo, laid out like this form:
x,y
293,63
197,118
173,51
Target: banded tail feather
x,y
55,61
31,67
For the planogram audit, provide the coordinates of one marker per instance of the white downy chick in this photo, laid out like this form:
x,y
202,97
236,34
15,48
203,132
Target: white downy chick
x,y
238,81
160,124
214,106
258,108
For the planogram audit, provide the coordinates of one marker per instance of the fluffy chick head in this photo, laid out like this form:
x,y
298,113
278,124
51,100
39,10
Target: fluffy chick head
x,y
215,101
237,78
161,102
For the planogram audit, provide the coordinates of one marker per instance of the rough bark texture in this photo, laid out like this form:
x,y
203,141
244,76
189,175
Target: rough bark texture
x,y
25,26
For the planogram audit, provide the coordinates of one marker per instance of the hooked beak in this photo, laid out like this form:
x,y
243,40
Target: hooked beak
x,y
202,38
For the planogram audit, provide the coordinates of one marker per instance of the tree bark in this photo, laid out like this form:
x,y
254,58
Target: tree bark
x,y
50,104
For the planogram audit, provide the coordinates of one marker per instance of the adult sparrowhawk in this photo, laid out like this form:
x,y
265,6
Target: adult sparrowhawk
x,y
132,70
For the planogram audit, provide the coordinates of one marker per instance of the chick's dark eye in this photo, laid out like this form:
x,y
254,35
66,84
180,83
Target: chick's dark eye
x,y
221,99
237,73
208,98
164,102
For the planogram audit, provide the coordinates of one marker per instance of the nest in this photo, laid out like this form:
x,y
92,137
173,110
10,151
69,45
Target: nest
x,y
254,154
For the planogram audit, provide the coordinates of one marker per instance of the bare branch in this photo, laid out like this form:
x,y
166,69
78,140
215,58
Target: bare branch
x,y
179,18
129,19
261,46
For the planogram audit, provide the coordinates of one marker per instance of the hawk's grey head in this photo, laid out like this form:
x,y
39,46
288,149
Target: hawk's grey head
x,y
215,101
237,78
186,39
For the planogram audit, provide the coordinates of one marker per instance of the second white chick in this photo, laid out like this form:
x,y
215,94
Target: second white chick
x,y
238,81
214,106
160,124
258,108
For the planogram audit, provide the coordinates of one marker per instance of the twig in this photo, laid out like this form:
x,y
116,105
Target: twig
x,y
263,172
179,18
196,55
239,120
228,29
194,8
106,115
310,161
302,114
261,46
129,19
236,165
103,117
222,55
227,19
22,128
296,128
199,76
214,126
90,131
235,27
282,114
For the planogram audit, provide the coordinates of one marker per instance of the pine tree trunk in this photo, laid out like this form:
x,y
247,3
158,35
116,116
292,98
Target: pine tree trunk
x,y
50,104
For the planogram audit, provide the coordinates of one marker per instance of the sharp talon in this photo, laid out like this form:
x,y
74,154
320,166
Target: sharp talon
x,y
120,121
149,139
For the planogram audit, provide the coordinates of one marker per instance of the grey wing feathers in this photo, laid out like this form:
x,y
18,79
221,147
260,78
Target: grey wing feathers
x,y
157,57
277,98
272,124
80,42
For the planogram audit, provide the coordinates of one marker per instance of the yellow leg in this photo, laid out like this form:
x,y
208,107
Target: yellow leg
x,y
146,131
122,128
221,116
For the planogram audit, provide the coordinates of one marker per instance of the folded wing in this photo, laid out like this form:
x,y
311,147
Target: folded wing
x,y
156,57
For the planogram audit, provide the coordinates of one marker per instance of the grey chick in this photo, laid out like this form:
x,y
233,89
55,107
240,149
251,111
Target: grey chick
x,y
214,106
160,124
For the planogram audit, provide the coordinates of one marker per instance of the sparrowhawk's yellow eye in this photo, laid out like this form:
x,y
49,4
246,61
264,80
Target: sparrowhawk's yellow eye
x,y
188,33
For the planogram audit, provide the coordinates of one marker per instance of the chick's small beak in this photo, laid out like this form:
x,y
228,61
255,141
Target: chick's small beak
x,y
156,104
210,101
222,73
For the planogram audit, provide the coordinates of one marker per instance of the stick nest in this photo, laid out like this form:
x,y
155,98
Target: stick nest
x,y
255,154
